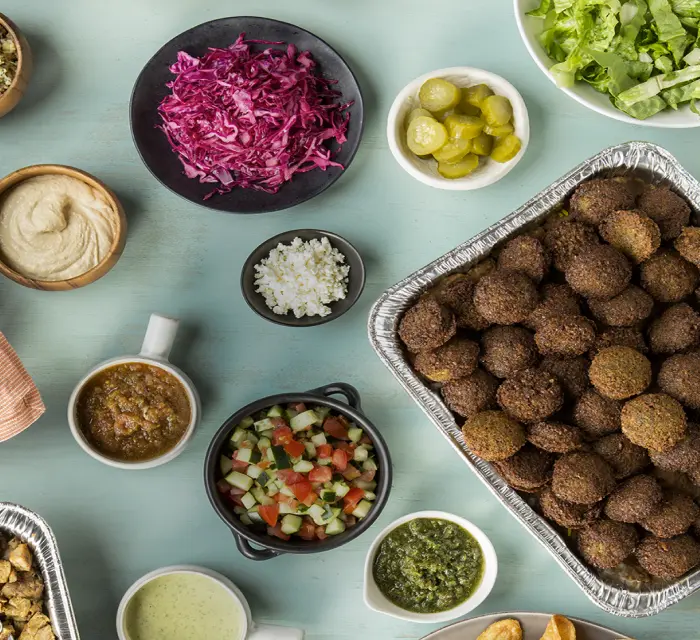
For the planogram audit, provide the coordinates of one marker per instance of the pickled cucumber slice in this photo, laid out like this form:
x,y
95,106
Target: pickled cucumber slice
x,y
496,111
454,170
417,113
425,135
437,94
466,127
467,109
482,144
501,131
453,151
506,148
475,95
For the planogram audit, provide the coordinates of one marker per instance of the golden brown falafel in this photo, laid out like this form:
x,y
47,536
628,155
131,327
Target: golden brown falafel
x,y
654,421
668,559
455,359
566,239
688,244
677,329
674,516
594,200
679,376
632,233
468,396
620,372
667,277
683,457
505,297
619,337
600,272
596,415
555,300
627,309
505,350
492,435
530,395
565,335
527,255
555,437
623,456
572,373
582,477
528,470
568,514
427,325
607,543
667,209
456,292
634,500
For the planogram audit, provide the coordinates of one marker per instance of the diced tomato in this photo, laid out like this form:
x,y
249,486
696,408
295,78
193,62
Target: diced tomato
x,y
264,464
239,465
282,435
308,529
290,477
235,491
294,448
335,428
301,490
365,440
246,444
282,499
348,447
310,499
351,473
344,420
236,500
368,476
277,532
269,513
279,422
321,533
340,460
222,486
320,474
324,451
300,407
352,499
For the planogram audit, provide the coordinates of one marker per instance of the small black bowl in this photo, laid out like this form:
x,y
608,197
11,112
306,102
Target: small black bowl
x,y
356,278
273,547
163,163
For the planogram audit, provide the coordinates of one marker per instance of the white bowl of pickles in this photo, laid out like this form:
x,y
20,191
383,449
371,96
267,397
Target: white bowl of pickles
x,y
458,128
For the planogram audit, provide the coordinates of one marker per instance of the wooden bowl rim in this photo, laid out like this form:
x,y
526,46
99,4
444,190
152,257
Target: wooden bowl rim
x,y
35,170
17,36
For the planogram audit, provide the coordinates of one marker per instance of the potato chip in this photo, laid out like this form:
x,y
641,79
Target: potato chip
x,y
507,629
559,628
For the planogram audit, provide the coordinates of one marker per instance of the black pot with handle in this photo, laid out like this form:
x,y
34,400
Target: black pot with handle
x,y
266,546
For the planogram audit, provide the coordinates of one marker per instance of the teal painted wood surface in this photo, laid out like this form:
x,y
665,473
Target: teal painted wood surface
x,y
183,260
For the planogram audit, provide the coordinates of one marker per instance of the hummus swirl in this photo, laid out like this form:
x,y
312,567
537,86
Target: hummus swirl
x,y
55,227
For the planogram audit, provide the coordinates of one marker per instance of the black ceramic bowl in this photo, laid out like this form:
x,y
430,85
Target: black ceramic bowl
x,y
150,89
271,547
356,278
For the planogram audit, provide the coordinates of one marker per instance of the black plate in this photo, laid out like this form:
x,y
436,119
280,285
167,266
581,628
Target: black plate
x,y
355,285
163,163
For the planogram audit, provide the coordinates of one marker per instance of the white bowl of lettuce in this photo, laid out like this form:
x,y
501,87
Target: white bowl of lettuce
x,y
636,61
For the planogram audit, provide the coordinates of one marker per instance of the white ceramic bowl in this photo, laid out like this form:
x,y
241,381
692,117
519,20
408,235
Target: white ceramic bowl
x,y
377,601
155,350
426,170
582,92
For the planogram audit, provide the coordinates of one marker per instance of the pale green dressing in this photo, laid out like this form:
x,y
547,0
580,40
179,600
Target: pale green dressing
x,y
183,606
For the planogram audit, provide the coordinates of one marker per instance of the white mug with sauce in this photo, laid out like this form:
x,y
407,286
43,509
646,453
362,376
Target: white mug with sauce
x,y
235,611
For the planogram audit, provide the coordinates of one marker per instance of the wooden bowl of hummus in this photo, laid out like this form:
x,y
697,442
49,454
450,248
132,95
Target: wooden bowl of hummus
x,y
60,228
16,61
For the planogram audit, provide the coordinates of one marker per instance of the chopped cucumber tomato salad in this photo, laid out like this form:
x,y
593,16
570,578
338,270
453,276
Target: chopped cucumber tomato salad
x,y
300,471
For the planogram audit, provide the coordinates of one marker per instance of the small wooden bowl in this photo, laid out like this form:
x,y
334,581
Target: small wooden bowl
x,y
118,242
9,99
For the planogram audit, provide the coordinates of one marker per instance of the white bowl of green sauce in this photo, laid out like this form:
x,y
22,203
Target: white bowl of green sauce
x,y
185,602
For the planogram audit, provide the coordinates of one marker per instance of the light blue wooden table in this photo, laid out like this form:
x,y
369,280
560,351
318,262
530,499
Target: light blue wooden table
x,y
180,259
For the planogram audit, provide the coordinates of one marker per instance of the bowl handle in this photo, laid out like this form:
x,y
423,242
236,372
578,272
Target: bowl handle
x,y
349,392
159,337
251,553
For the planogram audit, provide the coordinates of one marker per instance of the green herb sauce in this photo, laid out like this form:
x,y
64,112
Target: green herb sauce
x,y
428,565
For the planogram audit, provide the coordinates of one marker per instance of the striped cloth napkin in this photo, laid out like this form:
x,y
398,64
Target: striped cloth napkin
x,y
20,402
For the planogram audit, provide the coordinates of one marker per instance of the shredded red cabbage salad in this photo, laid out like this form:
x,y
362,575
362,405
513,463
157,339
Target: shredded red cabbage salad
x,y
251,120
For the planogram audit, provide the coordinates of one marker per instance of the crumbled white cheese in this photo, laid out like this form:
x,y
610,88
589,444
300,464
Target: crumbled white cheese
x,y
302,277
8,60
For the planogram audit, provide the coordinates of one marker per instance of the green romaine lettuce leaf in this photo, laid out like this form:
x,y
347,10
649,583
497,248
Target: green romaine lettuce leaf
x,y
686,8
644,109
542,10
616,69
679,95
667,22
656,84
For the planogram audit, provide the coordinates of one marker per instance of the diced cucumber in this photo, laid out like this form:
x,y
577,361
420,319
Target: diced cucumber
x,y
251,438
341,489
362,509
286,491
248,500
310,449
291,524
272,489
361,454
275,412
270,455
239,510
319,439
329,513
239,481
258,494
366,485
290,413
253,471
248,455
302,508
355,434
255,517
369,465
322,413
246,423
280,457
264,443
304,420
335,527
295,460
264,425
303,466
263,479
245,519
370,496
316,513
238,435
225,465
328,496
286,508
324,462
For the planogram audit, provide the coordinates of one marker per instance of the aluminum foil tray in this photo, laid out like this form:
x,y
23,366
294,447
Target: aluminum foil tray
x,y
27,525
633,158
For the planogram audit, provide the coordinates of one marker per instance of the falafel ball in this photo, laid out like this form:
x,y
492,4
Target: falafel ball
x,y
594,200
596,415
530,395
567,239
667,277
527,255
556,300
688,244
654,421
619,337
493,435
674,516
631,232
607,543
677,329
623,456
627,309
683,457
667,209
567,514
634,500
565,335
505,297
582,477
555,437
427,325
457,293
456,359
507,349
668,559
620,372
679,376
600,272
572,373
528,470
468,396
